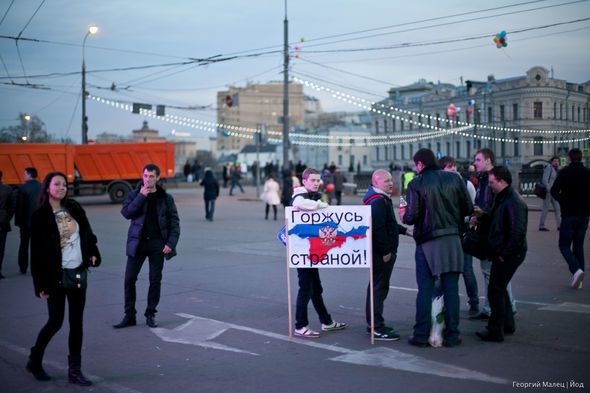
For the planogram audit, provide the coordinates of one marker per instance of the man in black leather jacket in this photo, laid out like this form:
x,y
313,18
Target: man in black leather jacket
x,y
507,240
438,202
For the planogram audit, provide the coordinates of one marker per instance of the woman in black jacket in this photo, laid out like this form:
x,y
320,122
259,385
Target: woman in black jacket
x,y
62,242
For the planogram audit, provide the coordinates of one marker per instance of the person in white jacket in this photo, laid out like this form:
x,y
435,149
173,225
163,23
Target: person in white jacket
x,y
549,175
271,195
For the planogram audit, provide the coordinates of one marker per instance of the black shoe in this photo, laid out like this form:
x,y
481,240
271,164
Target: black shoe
x,y
150,320
543,229
22,271
37,371
416,343
486,336
2,276
125,322
451,344
480,317
509,331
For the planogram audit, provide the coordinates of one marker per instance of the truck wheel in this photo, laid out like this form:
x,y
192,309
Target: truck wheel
x,y
118,192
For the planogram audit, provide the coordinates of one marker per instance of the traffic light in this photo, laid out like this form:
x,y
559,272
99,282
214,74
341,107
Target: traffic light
x,y
137,106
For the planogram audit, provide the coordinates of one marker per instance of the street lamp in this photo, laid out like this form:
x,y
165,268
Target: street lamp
x,y
91,31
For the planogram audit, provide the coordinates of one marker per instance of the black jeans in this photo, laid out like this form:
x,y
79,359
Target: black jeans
x,y
23,249
571,241
152,250
56,304
381,277
502,317
310,288
3,235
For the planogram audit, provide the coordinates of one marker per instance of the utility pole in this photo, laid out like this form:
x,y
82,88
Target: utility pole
x,y
286,92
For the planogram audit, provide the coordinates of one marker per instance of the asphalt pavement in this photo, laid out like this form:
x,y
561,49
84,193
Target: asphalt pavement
x,y
224,322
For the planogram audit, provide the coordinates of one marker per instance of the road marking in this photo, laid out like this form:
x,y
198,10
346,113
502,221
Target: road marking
x,y
580,308
568,307
101,382
200,331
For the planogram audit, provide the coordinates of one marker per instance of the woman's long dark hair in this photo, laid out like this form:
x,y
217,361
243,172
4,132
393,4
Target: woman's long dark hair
x,y
44,192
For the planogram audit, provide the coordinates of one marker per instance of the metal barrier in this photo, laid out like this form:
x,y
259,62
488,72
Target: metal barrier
x,y
527,179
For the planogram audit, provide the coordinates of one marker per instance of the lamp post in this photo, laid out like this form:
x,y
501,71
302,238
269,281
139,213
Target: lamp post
x,y
91,31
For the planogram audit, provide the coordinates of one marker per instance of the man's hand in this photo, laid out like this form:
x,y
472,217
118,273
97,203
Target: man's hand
x,y
43,295
93,261
145,190
387,258
409,232
167,249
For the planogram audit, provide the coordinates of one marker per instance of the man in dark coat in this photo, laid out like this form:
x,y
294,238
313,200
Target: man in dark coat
x,y
438,202
26,204
385,235
153,234
572,190
6,212
507,241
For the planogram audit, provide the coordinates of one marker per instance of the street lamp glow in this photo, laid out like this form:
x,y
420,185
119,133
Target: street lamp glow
x,y
92,30
27,117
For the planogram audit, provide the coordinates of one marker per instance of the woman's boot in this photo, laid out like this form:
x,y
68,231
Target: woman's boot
x,y
35,367
74,373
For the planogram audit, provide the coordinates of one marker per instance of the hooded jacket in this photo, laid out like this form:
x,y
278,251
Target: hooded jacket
x,y
135,208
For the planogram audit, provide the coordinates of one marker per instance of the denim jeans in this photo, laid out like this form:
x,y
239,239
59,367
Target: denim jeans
x,y
450,289
486,269
470,281
550,201
209,208
571,241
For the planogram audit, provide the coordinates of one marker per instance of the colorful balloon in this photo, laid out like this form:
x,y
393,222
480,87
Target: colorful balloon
x,y
500,40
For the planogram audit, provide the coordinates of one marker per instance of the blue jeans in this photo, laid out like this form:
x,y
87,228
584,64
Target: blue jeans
x,y
470,281
450,289
571,241
209,208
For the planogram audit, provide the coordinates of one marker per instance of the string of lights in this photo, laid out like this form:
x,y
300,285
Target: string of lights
x,y
371,104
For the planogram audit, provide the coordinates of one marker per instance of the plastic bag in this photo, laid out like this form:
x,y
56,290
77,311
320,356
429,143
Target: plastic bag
x,y
438,322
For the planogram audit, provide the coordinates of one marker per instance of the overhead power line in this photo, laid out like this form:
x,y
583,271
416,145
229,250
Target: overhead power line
x,y
6,12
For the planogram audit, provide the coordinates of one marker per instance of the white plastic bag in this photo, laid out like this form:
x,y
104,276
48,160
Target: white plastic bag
x,y
438,322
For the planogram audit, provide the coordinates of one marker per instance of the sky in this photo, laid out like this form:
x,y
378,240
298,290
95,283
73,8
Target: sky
x,y
375,45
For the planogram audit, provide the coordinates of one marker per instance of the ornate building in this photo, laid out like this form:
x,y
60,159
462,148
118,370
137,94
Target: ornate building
x,y
522,119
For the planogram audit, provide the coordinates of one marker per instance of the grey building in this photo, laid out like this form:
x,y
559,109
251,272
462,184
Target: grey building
x,y
522,119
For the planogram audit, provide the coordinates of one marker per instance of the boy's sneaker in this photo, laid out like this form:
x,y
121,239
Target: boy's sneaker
x,y
386,335
577,278
333,326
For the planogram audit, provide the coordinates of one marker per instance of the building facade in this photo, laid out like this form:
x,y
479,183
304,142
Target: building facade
x,y
252,106
493,114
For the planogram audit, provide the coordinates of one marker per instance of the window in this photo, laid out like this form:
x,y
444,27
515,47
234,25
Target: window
x,y
351,160
458,149
411,125
386,153
572,113
537,110
561,111
555,110
514,111
340,159
411,151
516,147
538,147
429,120
393,125
395,152
448,151
365,160
438,120
467,149
401,125
385,126
377,155
578,113
438,147
376,127
502,113
403,152
490,114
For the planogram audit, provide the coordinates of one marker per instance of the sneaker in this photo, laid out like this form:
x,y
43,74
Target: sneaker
x,y
385,327
577,279
306,332
333,326
386,335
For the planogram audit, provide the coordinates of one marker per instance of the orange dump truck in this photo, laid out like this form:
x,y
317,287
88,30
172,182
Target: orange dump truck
x,y
113,168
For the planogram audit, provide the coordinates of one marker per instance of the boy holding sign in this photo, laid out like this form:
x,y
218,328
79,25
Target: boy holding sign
x,y
308,198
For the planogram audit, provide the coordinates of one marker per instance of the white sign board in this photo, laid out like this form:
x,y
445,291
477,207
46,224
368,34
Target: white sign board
x,y
335,237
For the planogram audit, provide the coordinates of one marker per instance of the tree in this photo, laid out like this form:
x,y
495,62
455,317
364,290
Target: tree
x,y
30,130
